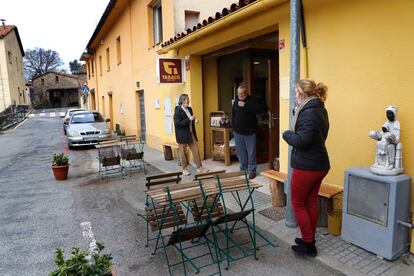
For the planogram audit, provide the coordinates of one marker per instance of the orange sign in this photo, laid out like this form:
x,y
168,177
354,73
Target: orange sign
x,y
170,70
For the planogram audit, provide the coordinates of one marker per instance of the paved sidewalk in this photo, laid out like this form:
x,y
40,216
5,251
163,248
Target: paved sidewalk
x,y
333,251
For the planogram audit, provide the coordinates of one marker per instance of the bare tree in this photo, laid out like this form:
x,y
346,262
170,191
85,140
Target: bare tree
x,y
38,61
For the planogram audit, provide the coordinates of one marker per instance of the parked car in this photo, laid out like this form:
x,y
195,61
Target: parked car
x,y
67,115
87,128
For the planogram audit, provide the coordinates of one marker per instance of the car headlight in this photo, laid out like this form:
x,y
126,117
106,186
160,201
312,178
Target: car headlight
x,y
106,131
73,133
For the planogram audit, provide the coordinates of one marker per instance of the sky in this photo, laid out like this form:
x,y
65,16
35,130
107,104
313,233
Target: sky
x,y
61,25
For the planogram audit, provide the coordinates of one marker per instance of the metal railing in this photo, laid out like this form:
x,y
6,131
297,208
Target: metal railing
x,y
16,116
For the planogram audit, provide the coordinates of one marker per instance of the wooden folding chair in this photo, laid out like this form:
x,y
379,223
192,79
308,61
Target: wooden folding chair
x,y
109,158
132,153
153,210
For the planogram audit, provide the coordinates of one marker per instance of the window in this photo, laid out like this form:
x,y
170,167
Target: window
x,y
9,54
42,81
118,50
56,79
92,67
191,19
108,64
157,23
100,65
89,70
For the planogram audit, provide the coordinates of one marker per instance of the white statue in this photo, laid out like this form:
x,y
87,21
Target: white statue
x,y
388,159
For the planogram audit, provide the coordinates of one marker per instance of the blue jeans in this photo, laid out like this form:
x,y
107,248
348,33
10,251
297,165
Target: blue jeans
x,y
246,151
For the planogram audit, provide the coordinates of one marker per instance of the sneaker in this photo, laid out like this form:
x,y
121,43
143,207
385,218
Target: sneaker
x,y
186,172
202,170
252,175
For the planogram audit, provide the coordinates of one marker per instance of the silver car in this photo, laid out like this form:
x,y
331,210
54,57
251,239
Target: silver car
x,y
67,116
87,128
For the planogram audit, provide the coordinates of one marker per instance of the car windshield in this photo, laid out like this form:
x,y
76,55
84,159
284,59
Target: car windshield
x,y
84,118
71,112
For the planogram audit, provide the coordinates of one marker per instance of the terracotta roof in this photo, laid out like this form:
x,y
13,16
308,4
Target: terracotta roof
x,y
220,14
6,29
57,73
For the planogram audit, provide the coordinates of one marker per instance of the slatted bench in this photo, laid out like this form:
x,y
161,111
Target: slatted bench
x,y
168,151
325,197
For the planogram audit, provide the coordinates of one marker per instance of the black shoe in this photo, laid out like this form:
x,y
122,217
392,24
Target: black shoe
x,y
299,241
307,249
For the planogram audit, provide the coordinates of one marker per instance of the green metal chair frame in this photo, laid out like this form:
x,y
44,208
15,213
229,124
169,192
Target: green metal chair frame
x,y
156,181
132,152
241,216
109,158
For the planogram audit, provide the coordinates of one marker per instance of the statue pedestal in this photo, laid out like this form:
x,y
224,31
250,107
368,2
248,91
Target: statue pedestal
x,y
373,206
381,170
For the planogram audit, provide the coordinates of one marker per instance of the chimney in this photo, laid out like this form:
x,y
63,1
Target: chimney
x,y
2,22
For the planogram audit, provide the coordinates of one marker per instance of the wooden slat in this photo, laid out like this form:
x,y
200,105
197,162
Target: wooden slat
x,y
188,233
231,174
279,176
329,190
151,177
207,175
171,145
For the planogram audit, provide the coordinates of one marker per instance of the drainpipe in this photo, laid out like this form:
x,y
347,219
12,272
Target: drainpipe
x,y
294,77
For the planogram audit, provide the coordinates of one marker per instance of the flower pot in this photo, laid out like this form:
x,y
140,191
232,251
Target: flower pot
x,y
60,172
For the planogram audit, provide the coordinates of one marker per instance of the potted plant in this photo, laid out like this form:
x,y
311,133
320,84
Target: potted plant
x,y
60,166
81,263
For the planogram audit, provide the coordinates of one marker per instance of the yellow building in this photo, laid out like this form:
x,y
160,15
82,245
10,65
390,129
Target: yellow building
x,y
12,84
121,57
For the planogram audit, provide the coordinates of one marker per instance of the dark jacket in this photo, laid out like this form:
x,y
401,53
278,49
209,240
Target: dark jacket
x,y
308,140
244,118
182,126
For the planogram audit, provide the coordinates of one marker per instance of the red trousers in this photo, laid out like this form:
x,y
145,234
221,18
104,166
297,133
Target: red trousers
x,y
305,186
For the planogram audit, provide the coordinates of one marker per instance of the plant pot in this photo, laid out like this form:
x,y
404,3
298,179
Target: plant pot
x,y
60,172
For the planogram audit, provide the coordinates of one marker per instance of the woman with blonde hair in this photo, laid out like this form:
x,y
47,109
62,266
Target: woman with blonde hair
x,y
185,133
309,159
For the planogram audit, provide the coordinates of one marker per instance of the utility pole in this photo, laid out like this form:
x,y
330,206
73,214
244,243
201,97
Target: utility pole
x,y
295,6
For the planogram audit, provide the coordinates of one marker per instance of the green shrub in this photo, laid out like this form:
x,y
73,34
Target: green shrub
x,y
78,265
60,159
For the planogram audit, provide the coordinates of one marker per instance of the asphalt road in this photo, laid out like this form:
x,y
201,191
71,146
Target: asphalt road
x,y
38,214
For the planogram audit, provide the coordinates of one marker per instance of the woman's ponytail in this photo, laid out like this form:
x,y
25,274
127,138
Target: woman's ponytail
x,y
321,91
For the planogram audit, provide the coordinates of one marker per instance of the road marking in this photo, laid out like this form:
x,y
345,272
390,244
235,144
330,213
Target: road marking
x,y
31,115
42,114
62,113
52,114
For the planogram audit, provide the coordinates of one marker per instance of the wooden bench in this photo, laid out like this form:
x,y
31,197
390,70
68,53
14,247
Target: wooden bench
x,y
325,200
168,151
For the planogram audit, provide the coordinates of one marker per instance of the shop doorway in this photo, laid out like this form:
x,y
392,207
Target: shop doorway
x,y
111,115
258,68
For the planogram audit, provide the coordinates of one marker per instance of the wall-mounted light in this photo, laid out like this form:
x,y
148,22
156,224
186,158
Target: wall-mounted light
x,y
137,83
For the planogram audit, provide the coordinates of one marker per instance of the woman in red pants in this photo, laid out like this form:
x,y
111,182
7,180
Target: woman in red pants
x,y
309,159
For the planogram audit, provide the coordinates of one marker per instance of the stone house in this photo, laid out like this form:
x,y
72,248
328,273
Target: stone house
x,y
56,89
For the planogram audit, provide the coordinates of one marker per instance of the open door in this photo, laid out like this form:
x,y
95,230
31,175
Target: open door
x,y
265,87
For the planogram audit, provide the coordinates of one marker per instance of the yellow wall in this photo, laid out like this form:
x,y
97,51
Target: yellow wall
x,y
12,75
